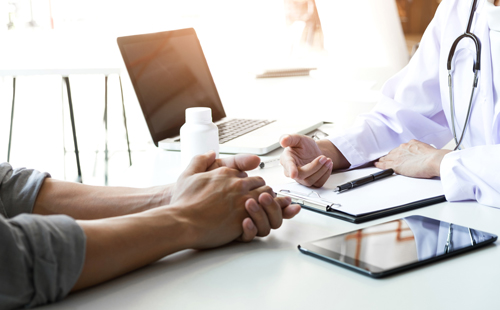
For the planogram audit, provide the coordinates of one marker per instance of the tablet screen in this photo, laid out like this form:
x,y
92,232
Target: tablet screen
x,y
396,244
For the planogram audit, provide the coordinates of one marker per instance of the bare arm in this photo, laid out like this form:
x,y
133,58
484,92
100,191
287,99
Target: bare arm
x,y
119,245
87,202
116,246
94,202
207,211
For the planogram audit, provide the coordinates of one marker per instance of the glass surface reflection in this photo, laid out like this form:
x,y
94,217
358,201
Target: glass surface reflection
x,y
398,243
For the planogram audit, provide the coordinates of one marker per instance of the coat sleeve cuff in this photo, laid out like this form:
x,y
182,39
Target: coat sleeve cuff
x,y
455,183
348,150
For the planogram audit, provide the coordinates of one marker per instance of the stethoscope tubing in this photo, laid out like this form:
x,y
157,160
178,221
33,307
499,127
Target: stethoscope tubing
x,y
476,68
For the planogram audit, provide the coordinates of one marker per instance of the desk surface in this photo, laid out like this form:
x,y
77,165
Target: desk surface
x,y
270,273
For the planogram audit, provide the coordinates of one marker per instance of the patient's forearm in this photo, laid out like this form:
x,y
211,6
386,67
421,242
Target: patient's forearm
x,y
93,202
116,246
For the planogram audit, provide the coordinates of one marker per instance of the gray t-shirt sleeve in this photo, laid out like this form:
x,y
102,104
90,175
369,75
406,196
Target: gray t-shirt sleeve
x,y
41,257
18,189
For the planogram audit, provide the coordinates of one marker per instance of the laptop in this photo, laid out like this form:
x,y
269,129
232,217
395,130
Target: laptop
x,y
169,73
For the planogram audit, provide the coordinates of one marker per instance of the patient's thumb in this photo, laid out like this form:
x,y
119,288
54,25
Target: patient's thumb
x,y
200,163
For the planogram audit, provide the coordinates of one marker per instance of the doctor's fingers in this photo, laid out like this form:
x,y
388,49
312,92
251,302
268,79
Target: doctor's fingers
x,y
319,178
309,174
289,164
322,180
384,163
292,140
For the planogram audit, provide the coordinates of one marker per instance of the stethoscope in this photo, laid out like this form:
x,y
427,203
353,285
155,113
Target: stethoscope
x,y
475,69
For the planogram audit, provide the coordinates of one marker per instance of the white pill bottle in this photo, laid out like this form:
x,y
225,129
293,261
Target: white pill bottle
x,y
198,135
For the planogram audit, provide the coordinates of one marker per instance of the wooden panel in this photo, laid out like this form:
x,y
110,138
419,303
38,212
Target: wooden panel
x,y
416,14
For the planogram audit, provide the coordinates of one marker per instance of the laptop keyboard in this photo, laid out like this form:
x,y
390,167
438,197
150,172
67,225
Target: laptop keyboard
x,y
234,128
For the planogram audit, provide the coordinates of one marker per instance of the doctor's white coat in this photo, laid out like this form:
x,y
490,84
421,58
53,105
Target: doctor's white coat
x,y
415,104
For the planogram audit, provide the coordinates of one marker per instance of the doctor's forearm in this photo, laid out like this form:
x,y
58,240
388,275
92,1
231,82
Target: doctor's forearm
x,y
331,151
93,202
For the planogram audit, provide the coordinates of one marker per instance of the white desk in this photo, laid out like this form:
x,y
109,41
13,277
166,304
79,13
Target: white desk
x,y
270,273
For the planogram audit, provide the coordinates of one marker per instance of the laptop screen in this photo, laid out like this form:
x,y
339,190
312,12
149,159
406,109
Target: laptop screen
x,y
170,74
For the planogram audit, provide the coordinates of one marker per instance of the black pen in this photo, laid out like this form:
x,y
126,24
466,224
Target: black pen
x,y
364,180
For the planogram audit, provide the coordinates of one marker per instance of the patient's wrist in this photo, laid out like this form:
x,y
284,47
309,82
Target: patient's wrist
x,y
168,228
181,226
164,194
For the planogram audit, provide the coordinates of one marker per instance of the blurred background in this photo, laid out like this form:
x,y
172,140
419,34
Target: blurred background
x,y
348,41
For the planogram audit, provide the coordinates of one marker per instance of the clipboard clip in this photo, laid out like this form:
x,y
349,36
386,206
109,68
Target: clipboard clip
x,y
329,208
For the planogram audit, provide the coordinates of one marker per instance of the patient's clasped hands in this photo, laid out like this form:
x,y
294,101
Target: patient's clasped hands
x,y
224,203
213,202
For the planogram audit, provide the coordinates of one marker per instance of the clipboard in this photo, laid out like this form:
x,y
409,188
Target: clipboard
x,y
388,196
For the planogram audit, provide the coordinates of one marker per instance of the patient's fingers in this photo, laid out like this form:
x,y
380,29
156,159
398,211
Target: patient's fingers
x,y
290,211
259,217
242,162
272,208
249,230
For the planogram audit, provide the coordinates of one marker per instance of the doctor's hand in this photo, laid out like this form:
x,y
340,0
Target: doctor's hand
x,y
310,162
414,159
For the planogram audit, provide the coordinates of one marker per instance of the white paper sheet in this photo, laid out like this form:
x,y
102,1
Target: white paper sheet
x,y
383,194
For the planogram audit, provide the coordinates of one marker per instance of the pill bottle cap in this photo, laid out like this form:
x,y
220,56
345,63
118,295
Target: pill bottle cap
x,y
198,115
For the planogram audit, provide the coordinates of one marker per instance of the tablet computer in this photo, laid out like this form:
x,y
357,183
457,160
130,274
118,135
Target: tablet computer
x,y
387,248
